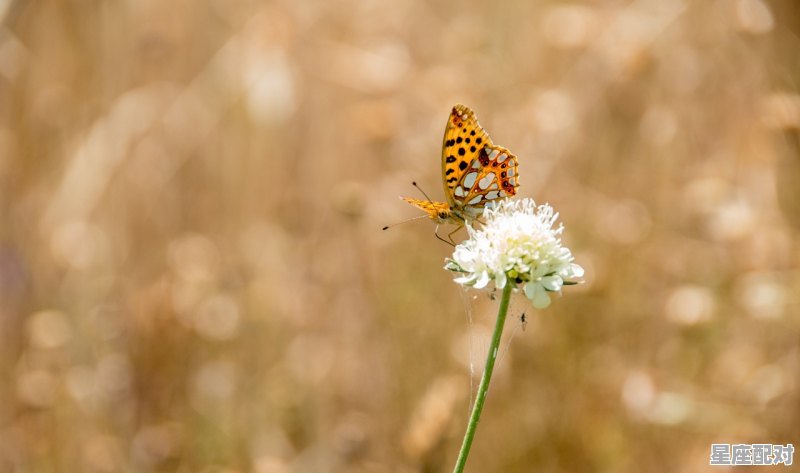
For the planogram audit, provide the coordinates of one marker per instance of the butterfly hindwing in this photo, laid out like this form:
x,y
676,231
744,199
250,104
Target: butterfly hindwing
x,y
490,176
464,139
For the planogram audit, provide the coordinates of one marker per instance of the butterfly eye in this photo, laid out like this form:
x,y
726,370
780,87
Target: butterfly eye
x,y
442,214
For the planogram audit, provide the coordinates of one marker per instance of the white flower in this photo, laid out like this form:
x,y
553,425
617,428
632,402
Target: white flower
x,y
517,244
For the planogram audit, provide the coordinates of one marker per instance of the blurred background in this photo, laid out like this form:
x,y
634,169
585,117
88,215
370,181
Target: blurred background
x,y
193,276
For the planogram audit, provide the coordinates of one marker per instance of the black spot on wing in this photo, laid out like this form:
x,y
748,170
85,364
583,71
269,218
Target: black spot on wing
x,y
451,159
462,151
462,165
483,157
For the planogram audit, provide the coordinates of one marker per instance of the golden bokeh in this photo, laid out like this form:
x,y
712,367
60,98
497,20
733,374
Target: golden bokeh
x,y
193,275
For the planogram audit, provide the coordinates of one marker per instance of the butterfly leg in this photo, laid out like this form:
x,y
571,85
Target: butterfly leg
x,y
436,232
450,235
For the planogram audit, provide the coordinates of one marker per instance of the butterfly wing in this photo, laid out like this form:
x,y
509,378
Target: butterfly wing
x,y
475,172
464,139
490,176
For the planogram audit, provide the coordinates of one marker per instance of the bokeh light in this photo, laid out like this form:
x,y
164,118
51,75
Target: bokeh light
x,y
193,275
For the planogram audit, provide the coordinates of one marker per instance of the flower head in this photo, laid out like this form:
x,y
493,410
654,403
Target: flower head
x,y
517,245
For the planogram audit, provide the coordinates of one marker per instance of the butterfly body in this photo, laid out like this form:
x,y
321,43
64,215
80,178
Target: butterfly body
x,y
438,211
475,172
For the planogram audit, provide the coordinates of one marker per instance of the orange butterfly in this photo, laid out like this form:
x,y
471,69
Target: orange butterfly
x,y
475,172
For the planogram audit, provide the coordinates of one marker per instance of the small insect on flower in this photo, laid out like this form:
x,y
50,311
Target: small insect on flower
x,y
517,245
524,321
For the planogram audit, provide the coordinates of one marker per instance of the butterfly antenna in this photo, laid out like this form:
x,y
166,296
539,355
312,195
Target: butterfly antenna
x,y
404,221
414,183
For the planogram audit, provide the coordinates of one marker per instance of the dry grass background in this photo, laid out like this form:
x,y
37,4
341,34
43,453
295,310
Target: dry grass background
x,y
193,276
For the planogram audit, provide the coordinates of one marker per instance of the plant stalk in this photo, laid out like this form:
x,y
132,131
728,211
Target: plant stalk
x,y
483,388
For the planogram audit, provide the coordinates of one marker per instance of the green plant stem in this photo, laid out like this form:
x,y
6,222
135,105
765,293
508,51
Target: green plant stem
x,y
480,398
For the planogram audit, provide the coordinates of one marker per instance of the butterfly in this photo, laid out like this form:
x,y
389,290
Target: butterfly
x,y
475,172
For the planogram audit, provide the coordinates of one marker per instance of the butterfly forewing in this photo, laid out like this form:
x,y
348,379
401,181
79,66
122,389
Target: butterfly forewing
x,y
464,139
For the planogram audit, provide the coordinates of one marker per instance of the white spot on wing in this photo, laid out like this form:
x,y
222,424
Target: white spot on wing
x,y
503,193
511,172
512,181
476,164
491,195
475,200
493,153
502,158
486,181
460,192
469,180
494,185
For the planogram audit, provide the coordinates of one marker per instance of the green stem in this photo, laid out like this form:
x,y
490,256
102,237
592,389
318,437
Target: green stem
x,y
480,398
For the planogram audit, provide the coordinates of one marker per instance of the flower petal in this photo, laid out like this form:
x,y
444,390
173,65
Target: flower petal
x,y
465,280
483,280
541,300
552,283
500,280
530,290
576,270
